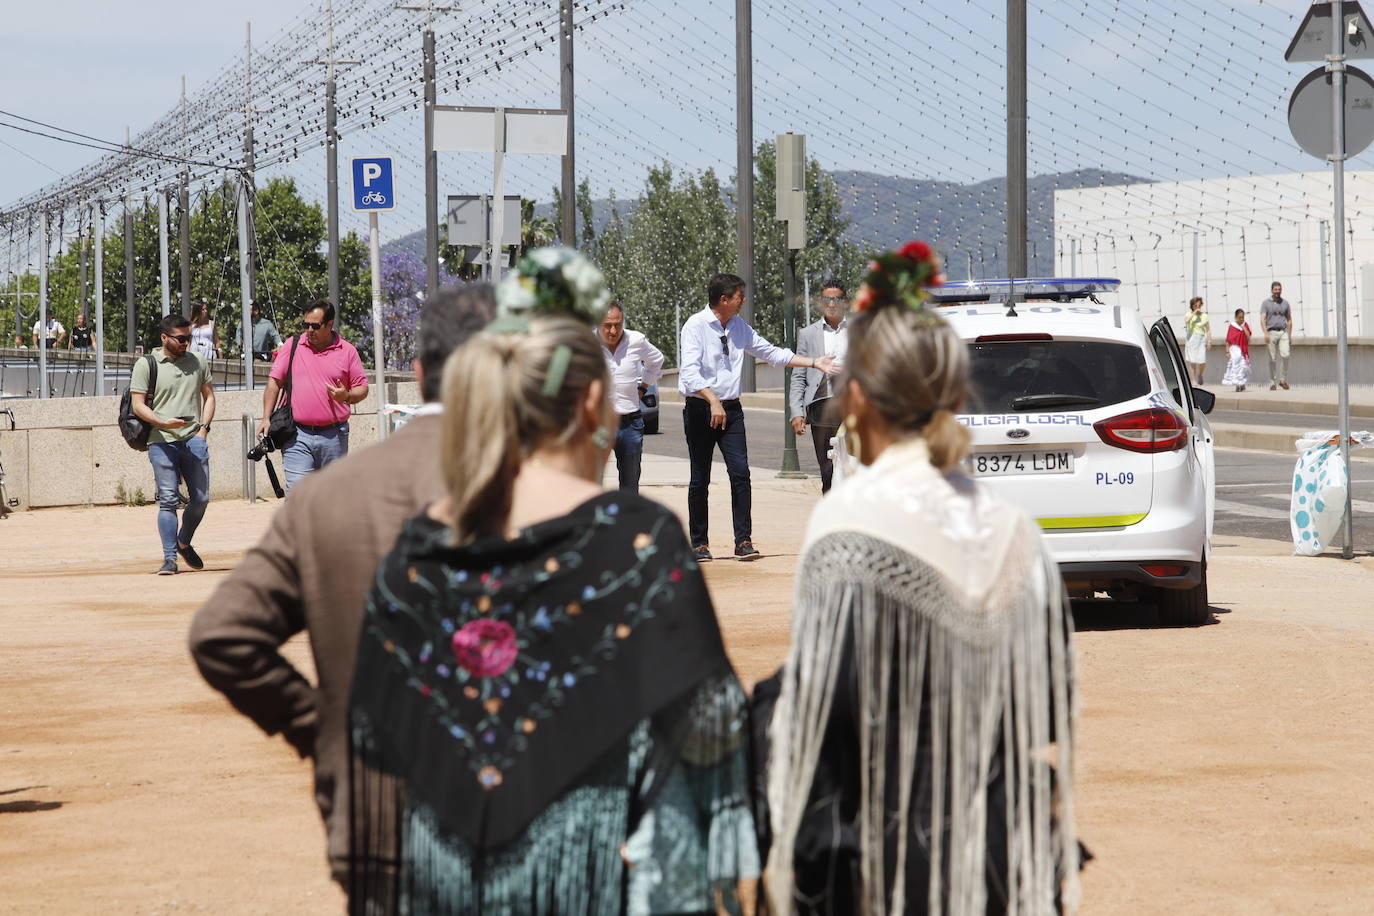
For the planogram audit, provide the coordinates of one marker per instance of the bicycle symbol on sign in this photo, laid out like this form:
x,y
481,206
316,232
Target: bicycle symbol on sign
x,y
374,197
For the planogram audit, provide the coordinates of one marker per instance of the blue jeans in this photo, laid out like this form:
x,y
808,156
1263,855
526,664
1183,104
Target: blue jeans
x,y
311,450
174,462
629,451
702,442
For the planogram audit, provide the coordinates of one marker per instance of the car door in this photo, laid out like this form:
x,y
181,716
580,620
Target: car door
x,y
1176,376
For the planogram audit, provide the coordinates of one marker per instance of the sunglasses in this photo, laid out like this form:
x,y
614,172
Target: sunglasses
x,y
313,325
832,298
180,338
725,345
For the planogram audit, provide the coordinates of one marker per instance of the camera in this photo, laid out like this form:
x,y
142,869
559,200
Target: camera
x,y
259,451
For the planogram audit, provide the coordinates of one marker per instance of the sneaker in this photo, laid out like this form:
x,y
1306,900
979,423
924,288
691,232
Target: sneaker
x,y
168,568
1283,385
745,550
1240,387
1274,387
702,553
188,553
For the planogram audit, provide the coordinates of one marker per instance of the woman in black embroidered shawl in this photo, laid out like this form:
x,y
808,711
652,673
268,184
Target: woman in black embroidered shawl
x,y
543,716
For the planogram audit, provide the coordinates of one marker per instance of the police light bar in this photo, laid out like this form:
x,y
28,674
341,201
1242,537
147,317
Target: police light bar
x,y
1057,289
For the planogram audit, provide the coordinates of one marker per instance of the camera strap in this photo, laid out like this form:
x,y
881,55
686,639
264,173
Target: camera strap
x,y
272,476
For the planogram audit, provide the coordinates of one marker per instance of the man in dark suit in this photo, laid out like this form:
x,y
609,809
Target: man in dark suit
x,y
314,567
809,399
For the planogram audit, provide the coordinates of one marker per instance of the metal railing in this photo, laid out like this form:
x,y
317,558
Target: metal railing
x,y
248,434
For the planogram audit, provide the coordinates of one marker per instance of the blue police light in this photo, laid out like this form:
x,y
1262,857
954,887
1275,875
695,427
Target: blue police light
x,y
1057,289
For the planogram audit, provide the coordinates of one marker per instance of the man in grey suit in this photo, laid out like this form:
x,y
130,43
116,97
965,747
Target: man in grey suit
x,y
809,398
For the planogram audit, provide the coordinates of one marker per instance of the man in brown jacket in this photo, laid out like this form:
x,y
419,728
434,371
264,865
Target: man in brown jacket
x,y
314,567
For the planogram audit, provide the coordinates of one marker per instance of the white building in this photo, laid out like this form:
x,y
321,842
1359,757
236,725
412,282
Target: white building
x,y
1225,239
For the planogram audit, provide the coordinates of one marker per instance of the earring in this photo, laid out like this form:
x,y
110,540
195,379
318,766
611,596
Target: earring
x,y
851,436
602,438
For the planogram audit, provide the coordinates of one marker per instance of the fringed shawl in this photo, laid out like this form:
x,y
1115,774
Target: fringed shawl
x,y
942,611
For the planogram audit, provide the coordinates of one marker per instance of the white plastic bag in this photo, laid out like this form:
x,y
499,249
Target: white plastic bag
x,y
1320,482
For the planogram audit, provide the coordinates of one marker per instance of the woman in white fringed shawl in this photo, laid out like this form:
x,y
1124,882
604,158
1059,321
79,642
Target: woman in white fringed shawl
x,y
921,759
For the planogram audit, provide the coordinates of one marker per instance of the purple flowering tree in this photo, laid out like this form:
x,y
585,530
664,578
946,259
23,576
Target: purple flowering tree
x,y
403,285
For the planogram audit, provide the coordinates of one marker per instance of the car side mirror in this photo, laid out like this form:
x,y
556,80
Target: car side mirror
x,y
1204,400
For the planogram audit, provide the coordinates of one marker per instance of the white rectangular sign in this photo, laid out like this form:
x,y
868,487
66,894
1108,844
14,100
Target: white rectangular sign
x,y
468,131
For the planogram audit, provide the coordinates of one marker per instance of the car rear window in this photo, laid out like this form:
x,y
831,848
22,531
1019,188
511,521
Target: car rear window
x,y
1007,376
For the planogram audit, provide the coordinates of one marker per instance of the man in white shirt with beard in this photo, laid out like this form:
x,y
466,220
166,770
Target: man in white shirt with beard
x,y
810,397
634,364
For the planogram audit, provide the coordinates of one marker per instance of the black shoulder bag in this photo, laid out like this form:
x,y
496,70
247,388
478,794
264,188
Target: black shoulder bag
x,y
282,425
131,426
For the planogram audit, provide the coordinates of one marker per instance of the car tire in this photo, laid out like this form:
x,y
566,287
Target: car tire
x,y
1184,607
651,425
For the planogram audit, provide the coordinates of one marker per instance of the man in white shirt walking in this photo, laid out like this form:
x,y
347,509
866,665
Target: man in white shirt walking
x,y
809,398
714,342
634,364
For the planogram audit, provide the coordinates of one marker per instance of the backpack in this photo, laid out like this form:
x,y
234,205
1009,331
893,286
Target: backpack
x,y
131,426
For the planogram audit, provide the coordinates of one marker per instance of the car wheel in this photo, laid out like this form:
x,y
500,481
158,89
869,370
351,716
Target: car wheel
x,y
651,425
1184,607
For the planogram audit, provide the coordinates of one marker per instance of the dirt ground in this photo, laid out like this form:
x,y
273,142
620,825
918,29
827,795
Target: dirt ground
x,y
1222,769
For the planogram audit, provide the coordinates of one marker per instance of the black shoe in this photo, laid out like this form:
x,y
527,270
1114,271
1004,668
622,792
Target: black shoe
x,y
188,553
702,553
745,550
168,568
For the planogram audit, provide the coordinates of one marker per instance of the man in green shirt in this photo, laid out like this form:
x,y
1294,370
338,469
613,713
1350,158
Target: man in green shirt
x,y
183,404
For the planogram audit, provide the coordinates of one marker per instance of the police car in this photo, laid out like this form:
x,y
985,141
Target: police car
x,y
1085,417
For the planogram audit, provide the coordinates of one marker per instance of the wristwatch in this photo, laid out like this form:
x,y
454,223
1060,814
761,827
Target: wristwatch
x,y
205,426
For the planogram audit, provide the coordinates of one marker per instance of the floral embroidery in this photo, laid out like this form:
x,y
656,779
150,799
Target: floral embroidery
x,y
485,647
489,777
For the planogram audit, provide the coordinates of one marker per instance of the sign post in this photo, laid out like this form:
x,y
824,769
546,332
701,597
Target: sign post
x,y
1324,134
373,192
791,211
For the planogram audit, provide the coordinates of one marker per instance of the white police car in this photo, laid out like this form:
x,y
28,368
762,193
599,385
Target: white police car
x,y
1085,417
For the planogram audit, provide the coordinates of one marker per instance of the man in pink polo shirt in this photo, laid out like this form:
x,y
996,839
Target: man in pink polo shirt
x,y
327,378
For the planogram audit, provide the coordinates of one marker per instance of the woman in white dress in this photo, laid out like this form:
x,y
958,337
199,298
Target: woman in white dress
x,y
204,337
1238,351
1198,336
921,745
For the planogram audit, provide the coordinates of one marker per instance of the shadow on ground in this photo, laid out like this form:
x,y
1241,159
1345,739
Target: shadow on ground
x,y
1105,614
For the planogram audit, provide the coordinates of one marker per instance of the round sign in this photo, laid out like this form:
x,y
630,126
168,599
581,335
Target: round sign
x,y
1309,112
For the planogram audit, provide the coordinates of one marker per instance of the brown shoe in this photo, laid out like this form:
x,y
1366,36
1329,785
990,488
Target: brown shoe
x,y
1283,385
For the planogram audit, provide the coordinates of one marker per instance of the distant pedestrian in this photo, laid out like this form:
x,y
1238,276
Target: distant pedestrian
x,y
50,334
326,379
1277,317
180,414
266,338
204,336
810,397
714,342
1238,349
19,342
312,570
1198,337
634,364
83,336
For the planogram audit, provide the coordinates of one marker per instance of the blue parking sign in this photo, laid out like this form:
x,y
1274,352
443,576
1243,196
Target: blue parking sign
x,y
372,185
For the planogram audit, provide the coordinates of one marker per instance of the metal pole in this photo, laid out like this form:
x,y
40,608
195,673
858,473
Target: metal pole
x,y
99,215
378,352
486,238
332,184
41,338
81,246
249,166
1326,307
744,167
791,467
806,298
1197,281
1016,138
431,175
245,292
677,323
498,196
163,276
184,228
568,199
130,314
1336,67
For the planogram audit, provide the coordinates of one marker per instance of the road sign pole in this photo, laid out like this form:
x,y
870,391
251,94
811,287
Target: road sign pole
x,y
378,357
1336,67
744,169
791,467
40,340
498,196
98,213
245,287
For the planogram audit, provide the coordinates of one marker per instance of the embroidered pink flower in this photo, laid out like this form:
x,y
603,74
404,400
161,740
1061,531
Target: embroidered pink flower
x,y
485,647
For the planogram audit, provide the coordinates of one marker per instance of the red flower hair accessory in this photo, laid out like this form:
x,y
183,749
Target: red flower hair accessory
x,y
900,277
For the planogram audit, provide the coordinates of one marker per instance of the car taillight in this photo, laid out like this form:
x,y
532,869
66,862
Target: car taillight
x,y
1153,430
1162,570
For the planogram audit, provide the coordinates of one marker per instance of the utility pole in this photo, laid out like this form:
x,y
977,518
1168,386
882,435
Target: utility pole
x,y
1335,65
81,249
568,198
99,215
331,133
1016,140
40,340
130,322
744,167
184,216
250,276
431,157
164,279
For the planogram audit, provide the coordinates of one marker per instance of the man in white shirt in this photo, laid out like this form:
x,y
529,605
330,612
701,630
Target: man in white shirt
x,y
51,338
634,364
714,342
809,397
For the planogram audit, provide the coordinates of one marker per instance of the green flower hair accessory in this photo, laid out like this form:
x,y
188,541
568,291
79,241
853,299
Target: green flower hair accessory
x,y
900,277
558,280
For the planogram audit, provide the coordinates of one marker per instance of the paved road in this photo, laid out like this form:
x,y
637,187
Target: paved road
x,y
1252,487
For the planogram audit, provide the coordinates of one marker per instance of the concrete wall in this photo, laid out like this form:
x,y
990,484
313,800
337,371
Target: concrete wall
x,y
68,451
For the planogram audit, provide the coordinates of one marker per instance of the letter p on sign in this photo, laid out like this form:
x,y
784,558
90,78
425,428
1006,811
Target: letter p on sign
x,y
372,183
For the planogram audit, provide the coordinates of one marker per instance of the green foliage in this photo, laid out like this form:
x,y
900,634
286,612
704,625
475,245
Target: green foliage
x,y
127,497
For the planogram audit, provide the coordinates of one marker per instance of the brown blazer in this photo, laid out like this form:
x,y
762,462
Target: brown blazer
x,y
312,571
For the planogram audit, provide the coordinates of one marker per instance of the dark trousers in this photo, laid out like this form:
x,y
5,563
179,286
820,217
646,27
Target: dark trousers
x,y
629,450
702,441
823,427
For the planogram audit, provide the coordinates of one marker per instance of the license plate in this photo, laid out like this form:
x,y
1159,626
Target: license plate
x,y
997,464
